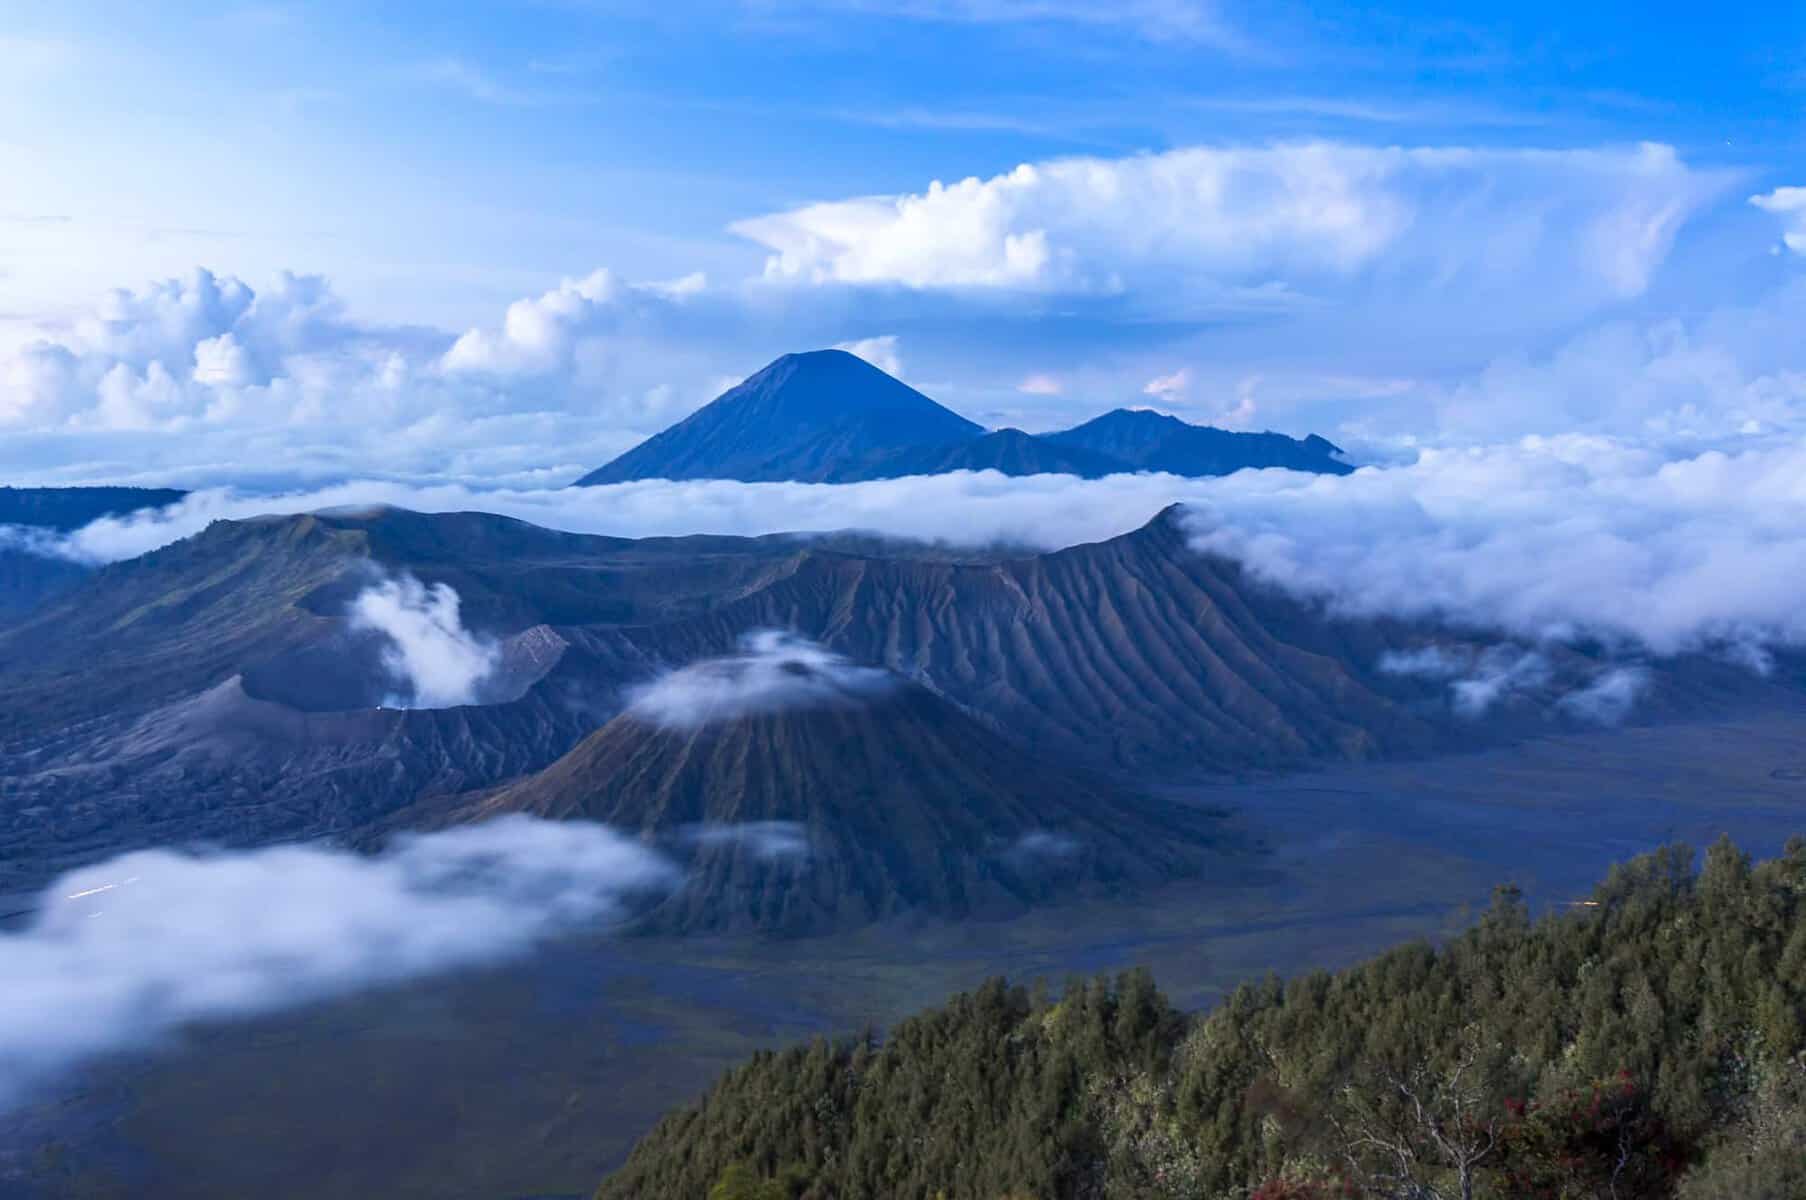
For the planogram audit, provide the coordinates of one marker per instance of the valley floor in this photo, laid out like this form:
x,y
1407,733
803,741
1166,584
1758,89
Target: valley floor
x,y
534,1080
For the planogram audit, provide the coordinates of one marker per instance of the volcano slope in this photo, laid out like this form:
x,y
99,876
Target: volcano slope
x,y
222,688
32,570
219,689
808,793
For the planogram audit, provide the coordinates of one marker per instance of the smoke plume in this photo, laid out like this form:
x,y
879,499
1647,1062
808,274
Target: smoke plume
x,y
436,662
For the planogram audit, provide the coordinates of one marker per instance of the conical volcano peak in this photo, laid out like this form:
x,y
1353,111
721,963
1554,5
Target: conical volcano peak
x,y
803,417
892,798
826,367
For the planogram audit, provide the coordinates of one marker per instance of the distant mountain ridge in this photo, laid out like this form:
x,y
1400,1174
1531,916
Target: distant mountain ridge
x,y
67,508
828,416
29,576
1151,441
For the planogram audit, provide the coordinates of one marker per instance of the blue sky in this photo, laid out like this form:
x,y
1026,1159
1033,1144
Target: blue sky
x,y
1243,240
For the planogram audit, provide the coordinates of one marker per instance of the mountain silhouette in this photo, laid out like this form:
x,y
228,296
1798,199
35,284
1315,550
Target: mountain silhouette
x,y
66,508
1151,441
804,417
831,417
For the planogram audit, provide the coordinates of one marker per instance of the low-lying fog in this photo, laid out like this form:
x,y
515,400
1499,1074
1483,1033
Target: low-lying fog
x,y
532,1078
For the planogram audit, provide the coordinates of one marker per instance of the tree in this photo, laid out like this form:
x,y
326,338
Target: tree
x,y
742,1182
1403,1134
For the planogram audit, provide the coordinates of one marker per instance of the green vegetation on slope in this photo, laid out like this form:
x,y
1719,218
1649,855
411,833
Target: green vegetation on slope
x,y
1650,1042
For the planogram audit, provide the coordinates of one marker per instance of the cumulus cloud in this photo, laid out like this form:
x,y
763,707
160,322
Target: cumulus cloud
x,y
176,352
436,661
281,381
566,327
122,954
1257,224
774,672
1733,372
1789,204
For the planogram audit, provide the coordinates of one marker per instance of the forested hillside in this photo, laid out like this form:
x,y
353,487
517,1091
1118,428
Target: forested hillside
x,y
1647,1042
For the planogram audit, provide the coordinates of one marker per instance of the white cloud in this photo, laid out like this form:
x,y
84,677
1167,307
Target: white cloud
x,y
1609,698
774,672
1498,673
125,953
206,377
1479,677
205,350
1543,537
1168,387
1045,511
1241,416
1072,281
562,328
437,662
44,543
1732,371
1789,204
881,352
1258,226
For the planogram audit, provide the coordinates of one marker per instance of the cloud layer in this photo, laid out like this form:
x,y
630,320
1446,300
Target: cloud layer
x,y
1547,538
123,954
774,672
1539,538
